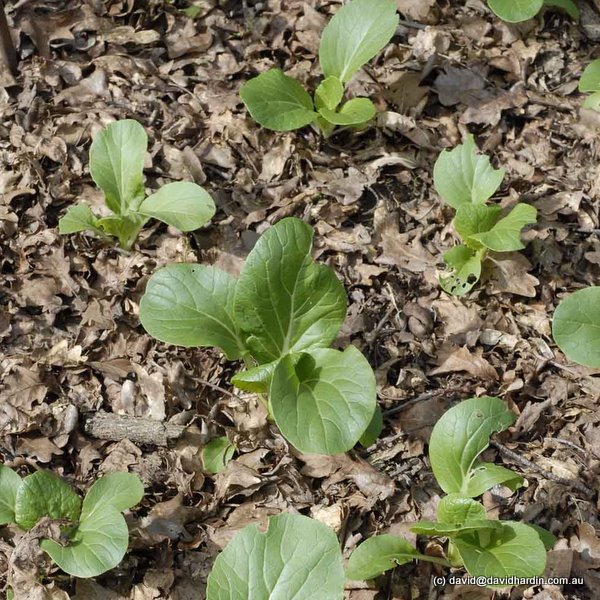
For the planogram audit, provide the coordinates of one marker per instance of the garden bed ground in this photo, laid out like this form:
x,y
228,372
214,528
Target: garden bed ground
x,y
72,345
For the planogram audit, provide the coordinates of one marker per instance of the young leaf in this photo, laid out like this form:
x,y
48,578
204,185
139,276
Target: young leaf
x,y
461,176
296,558
216,454
192,305
355,112
452,529
125,228
567,5
466,270
372,432
117,164
10,482
486,475
78,218
98,544
505,235
256,379
460,436
590,78
378,555
43,494
475,218
277,101
285,302
181,204
548,539
576,327
323,400
356,33
329,93
454,508
514,550
120,490
514,11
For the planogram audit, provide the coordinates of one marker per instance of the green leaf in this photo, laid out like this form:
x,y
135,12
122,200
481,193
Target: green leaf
x,y
592,102
486,475
514,11
284,301
460,436
256,379
378,555
296,558
10,482
548,539
454,508
355,112
505,235
461,176
514,550
43,494
590,78
323,400
181,204
453,529
98,544
120,490
277,101
355,34
125,228
567,5
576,327
329,93
466,270
117,164
475,218
192,305
78,218
216,454
372,432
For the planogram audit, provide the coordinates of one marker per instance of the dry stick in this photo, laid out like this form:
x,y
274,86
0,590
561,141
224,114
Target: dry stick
x,y
7,47
547,474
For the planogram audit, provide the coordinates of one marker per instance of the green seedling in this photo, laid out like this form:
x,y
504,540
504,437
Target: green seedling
x,y
515,11
94,532
117,166
279,316
297,557
590,82
357,32
216,454
485,547
576,324
466,180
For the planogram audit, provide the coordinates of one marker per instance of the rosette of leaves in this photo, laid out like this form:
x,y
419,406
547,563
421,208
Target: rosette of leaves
x,y
117,167
514,11
466,181
485,547
297,557
357,32
94,530
280,316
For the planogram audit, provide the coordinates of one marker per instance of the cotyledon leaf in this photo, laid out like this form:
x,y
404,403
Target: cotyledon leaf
x,y
296,558
465,270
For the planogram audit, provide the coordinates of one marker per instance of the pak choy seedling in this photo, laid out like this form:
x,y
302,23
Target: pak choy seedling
x,y
485,547
94,534
117,167
279,316
466,181
357,32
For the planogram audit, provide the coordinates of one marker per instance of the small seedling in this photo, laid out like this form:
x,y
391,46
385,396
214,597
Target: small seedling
x,y
515,11
576,324
485,547
357,32
95,531
117,166
297,557
466,180
279,316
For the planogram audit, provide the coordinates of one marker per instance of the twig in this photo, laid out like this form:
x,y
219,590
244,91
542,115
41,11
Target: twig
x,y
527,464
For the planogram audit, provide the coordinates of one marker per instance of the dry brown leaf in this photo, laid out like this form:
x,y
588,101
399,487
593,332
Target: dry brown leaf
x,y
463,359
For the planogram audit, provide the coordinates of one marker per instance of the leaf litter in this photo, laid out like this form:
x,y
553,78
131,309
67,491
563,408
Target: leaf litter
x,y
72,347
